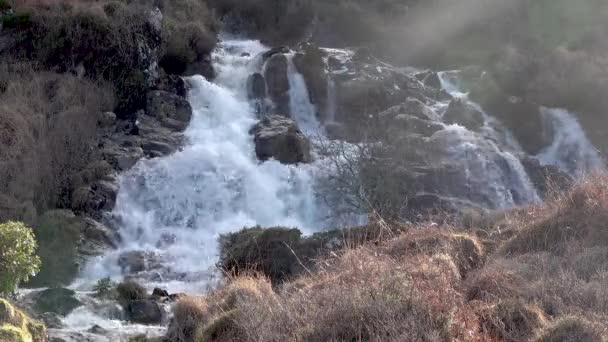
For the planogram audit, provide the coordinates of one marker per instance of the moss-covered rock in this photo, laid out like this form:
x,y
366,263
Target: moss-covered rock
x,y
15,326
281,253
57,300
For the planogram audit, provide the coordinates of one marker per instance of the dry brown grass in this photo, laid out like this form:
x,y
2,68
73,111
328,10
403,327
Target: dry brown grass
x,y
47,127
540,282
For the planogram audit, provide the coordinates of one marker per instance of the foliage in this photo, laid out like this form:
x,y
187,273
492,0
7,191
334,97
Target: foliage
x,y
18,260
58,234
129,291
15,326
104,287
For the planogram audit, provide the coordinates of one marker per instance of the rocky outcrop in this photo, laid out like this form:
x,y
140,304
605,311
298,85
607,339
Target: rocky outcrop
x,y
310,64
173,111
410,117
279,138
60,301
277,82
256,87
144,312
465,114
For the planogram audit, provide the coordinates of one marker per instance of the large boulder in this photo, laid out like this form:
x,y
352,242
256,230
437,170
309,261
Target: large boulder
x,y
95,198
465,114
172,110
277,81
256,86
279,138
59,301
310,64
144,312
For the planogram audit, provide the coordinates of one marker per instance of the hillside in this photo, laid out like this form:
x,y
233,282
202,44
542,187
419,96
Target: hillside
x,y
304,170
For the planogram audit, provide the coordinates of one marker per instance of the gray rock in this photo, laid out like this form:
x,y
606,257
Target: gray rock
x,y
96,238
279,138
144,312
59,301
138,261
157,148
277,82
462,113
256,87
95,198
169,109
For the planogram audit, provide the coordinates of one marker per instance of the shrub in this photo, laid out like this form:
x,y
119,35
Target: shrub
x,y
185,45
48,125
129,291
104,287
513,321
58,233
18,261
572,328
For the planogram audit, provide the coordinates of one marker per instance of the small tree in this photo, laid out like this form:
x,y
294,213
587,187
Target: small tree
x,y
18,260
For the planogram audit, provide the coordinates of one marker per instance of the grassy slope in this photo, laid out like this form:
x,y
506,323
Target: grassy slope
x,y
534,274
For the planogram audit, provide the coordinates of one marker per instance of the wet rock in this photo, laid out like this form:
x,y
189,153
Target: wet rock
x,y
97,330
404,124
96,238
171,110
122,158
51,320
412,107
59,301
155,149
429,78
138,261
144,312
256,87
310,64
173,84
277,82
463,113
157,292
274,51
94,199
279,138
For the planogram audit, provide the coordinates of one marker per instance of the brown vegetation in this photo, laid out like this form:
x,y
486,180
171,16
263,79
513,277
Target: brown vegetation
x,y
49,124
536,274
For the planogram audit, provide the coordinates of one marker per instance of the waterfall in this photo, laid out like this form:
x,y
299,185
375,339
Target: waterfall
x,y
571,150
302,110
489,157
177,206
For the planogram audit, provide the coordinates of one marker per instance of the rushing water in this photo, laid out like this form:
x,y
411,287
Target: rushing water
x,y
571,150
174,208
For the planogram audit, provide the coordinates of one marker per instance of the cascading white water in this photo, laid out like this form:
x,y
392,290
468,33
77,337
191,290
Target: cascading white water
x,y
571,150
496,175
176,207
301,109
